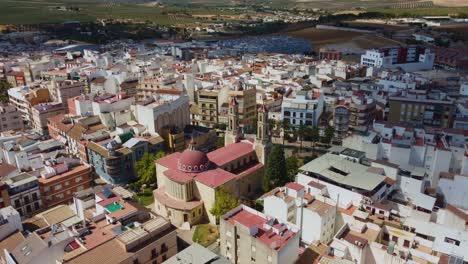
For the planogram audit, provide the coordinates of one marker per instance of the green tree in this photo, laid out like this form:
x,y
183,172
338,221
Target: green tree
x,y
329,133
4,86
315,135
275,173
224,202
146,169
292,167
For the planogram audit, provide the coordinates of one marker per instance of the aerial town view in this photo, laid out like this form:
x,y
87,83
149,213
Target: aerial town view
x,y
234,131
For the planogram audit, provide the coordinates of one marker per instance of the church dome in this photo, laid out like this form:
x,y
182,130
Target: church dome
x,y
193,161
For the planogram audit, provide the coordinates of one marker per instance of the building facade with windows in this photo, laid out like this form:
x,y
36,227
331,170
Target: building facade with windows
x,y
248,236
58,182
10,118
305,108
24,193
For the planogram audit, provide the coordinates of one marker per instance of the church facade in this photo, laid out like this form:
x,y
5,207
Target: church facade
x,y
188,180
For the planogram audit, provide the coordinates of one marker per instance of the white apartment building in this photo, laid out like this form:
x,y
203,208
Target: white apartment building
x,y
164,110
411,58
346,180
248,236
314,214
10,222
305,108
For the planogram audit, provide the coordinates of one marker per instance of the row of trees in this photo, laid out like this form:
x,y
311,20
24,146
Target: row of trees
x,y
302,132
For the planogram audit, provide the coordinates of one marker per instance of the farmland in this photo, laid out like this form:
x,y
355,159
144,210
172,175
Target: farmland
x,y
55,11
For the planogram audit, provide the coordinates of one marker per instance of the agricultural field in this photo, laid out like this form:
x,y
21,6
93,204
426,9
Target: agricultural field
x,y
55,11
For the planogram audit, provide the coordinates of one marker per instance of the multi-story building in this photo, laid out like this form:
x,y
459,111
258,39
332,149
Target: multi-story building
x,y
312,212
174,138
153,241
129,87
59,181
362,111
16,78
246,99
341,116
347,181
169,108
10,118
410,58
61,91
149,86
418,108
25,97
10,222
115,163
248,236
24,193
305,108
208,112
42,112
329,54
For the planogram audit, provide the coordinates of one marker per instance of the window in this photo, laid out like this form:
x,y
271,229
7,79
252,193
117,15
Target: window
x,y
67,183
164,248
452,241
58,187
164,258
135,261
34,196
78,179
154,253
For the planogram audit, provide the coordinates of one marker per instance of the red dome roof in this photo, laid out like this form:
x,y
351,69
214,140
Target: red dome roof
x,y
193,161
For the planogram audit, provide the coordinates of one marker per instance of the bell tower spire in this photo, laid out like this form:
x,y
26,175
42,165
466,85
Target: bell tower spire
x,y
233,130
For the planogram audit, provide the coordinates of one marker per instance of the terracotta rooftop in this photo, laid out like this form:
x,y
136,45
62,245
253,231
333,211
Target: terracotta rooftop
x,y
294,186
316,185
264,234
215,178
230,152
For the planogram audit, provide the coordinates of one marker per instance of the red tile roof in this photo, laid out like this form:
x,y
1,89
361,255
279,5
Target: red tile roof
x,y
169,161
265,234
294,186
215,178
230,152
180,176
247,219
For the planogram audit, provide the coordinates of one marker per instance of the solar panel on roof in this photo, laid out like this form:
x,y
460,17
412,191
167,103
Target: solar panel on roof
x,y
107,193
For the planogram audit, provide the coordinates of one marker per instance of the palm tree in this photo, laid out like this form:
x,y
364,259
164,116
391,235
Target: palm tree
x,y
315,135
301,132
329,133
285,125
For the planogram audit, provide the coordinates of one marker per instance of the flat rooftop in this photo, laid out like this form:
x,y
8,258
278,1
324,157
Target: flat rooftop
x,y
340,170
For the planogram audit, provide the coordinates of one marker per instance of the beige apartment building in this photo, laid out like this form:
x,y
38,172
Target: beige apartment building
x,y
10,118
208,112
60,91
42,112
246,99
